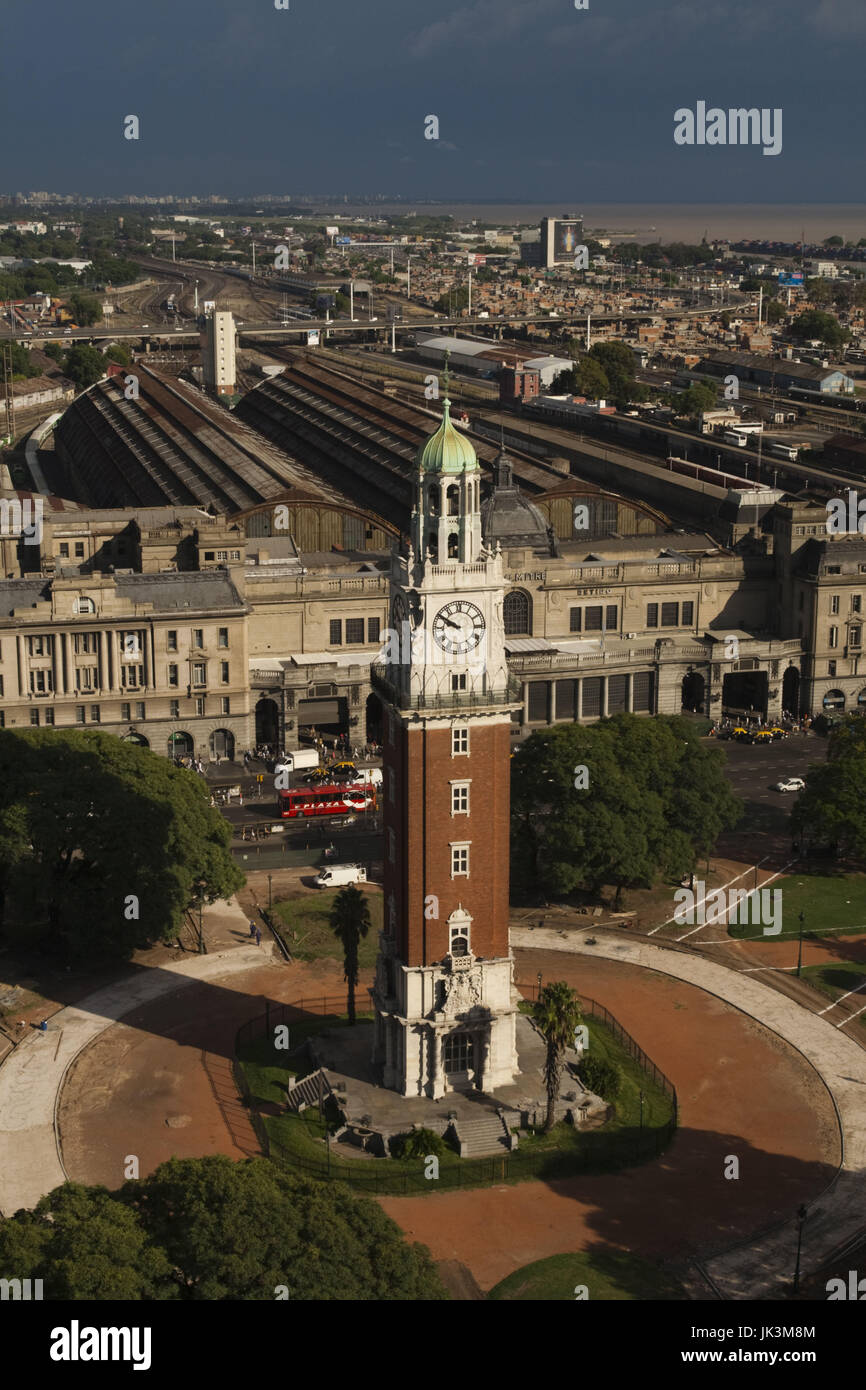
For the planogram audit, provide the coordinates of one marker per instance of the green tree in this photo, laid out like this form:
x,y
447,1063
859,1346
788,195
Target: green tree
x,y
211,1229
592,379
118,841
618,363
350,922
453,300
84,365
54,350
699,397
775,311
85,309
827,329
556,1013
820,292
831,812
85,1244
239,1230
118,352
22,362
651,799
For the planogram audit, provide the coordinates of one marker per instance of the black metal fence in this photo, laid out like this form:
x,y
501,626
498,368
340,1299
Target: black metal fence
x,y
634,1050
598,1151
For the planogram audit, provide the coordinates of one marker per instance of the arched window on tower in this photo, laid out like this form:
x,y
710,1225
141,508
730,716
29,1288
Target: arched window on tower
x,y
433,500
452,546
517,614
453,500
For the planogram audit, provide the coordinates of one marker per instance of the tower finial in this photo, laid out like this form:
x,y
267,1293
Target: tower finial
x,y
447,375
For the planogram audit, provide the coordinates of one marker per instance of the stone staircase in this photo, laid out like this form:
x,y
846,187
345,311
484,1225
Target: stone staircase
x,y
486,1135
307,1092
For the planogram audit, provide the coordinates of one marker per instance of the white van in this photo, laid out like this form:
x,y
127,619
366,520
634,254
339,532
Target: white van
x,y
298,759
335,875
371,776
740,440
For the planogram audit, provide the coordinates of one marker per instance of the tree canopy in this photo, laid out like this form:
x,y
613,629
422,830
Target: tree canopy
x,y
699,397
652,800
211,1229
84,365
814,324
831,812
102,843
618,364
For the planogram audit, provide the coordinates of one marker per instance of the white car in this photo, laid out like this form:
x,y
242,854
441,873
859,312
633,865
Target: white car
x,y
791,784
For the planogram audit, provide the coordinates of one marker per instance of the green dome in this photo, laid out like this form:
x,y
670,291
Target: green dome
x,y
447,451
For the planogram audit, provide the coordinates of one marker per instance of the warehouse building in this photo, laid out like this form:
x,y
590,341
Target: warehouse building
x,y
778,372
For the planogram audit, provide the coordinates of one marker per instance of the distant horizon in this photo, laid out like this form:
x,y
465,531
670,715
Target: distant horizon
x,y
651,221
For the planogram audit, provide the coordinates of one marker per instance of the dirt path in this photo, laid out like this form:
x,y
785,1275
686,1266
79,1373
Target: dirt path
x,y
741,1092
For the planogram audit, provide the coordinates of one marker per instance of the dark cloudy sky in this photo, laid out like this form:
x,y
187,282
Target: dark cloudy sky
x,y
536,100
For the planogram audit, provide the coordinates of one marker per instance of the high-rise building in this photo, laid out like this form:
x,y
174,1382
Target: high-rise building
x,y
557,242
218,358
444,998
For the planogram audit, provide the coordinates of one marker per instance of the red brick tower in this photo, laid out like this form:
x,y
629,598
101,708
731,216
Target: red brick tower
x,y
445,1016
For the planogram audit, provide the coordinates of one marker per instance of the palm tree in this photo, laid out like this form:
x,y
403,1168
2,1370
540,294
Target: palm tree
x,y
350,921
557,1014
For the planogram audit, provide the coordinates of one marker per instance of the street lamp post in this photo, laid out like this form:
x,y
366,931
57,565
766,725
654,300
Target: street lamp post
x,y
641,1109
800,947
270,891
539,982
802,1213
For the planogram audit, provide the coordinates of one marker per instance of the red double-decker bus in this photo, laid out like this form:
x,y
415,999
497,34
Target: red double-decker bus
x,y
326,800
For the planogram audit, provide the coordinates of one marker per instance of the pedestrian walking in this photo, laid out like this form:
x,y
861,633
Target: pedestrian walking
x,y
252,924
258,937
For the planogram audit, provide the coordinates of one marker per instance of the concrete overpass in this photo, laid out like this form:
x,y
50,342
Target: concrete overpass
x,y
267,328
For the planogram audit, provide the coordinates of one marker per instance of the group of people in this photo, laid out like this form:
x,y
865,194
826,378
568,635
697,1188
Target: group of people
x,y
193,764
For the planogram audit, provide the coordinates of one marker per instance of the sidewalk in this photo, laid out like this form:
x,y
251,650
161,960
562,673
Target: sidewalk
x,y
762,1268
31,1077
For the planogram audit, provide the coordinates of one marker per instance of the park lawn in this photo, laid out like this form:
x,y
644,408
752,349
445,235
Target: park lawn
x,y
307,932
267,1068
834,905
297,1139
608,1276
633,1081
837,979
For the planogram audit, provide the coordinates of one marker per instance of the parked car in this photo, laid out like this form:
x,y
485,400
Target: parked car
x,y
791,784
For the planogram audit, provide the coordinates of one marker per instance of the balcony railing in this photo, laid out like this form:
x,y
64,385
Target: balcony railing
x,y
477,699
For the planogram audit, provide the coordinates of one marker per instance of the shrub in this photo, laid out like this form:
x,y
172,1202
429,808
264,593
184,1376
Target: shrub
x,y
600,1077
418,1143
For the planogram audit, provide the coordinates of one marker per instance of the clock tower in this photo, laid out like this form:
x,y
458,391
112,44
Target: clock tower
x,y
444,998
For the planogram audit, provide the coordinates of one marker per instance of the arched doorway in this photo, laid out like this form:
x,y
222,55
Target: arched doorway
x,y
834,701
180,745
693,695
138,739
268,723
373,722
791,691
222,744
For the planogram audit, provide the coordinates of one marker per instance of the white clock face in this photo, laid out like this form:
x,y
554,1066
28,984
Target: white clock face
x,y
458,627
